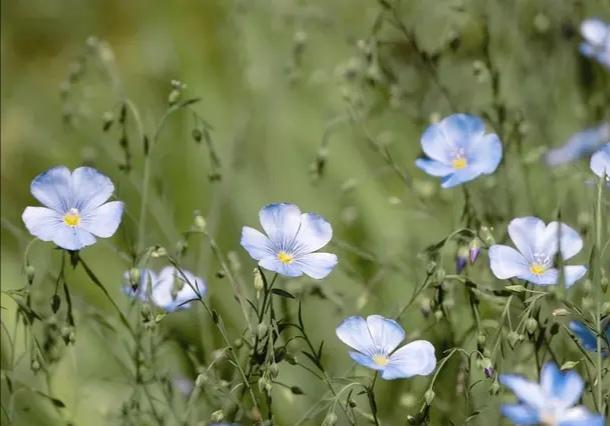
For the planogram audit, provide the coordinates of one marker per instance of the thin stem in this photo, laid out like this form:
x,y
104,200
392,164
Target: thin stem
x,y
598,295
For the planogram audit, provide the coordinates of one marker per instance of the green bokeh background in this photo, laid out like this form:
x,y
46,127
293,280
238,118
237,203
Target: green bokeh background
x,y
271,106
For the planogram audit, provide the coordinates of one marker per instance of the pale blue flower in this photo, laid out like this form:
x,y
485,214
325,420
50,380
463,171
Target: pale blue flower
x,y
600,163
459,150
552,402
596,44
171,289
587,337
291,240
579,145
375,341
76,211
537,244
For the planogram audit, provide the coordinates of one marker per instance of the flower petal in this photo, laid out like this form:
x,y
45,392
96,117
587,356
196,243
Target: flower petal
x,y
386,333
459,177
460,129
600,162
580,416
578,145
90,188
148,278
317,265
548,277
526,232
415,358
175,288
485,153
365,360
573,273
520,414
594,31
72,238
42,222
506,262
584,334
433,167
103,221
256,243
281,222
315,232
354,332
526,391
564,389
53,188
272,263
560,236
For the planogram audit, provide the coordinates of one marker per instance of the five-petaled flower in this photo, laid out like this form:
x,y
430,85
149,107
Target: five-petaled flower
x,y
171,289
375,341
551,402
291,240
600,163
537,245
588,338
76,210
459,150
580,144
596,44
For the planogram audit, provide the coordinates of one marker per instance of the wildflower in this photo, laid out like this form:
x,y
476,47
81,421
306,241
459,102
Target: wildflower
x,y
171,289
76,211
537,244
600,163
597,40
551,402
291,240
459,150
587,337
580,144
375,341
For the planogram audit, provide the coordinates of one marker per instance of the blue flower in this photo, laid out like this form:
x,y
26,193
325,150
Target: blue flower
x,y
76,210
587,337
171,289
600,163
597,40
290,243
375,341
537,246
459,150
551,402
580,144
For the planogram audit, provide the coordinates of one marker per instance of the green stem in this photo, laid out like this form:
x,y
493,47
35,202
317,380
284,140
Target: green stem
x,y
598,295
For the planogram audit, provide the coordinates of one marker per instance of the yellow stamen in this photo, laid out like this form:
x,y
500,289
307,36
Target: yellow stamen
x,y
72,218
459,163
537,269
381,360
285,258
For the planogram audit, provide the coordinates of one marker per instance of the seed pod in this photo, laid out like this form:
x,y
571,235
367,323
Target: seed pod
x,y
531,325
429,396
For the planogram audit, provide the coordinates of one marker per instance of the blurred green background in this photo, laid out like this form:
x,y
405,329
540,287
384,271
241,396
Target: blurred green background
x,y
274,78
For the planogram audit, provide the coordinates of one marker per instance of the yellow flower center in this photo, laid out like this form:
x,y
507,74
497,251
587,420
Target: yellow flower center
x,y
72,218
459,163
537,269
285,258
381,360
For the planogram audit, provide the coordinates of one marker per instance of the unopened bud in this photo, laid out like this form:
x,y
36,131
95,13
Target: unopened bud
x,y
429,396
35,365
487,236
201,380
199,223
217,416
197,135
330,419
461,259
30,272
274,369
261,330
134,278
481,339
259,284
440,275
438,314
513,338
173,97
108,119
488,368
474,248
604,282
494,388
531,325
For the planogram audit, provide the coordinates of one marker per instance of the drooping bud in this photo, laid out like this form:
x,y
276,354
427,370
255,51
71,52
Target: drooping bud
x,y
199,222
134,278
274,370
429,396
30,272
531,325
261,330
259,284
474,248
461,259
488,368
201,380
330,419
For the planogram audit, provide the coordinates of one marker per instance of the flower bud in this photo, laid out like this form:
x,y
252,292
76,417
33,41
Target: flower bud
x,y
487,236
494,388
513,338
440,275
481,339
134,278
274,369
438,314
429,396
531,325
30,272
261,330
201,380
330,419
259,284
474,248
488,368
199,222
604,282
461,259
217,416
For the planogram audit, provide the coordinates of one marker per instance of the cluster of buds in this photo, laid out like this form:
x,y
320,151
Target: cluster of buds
x,y
467,254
